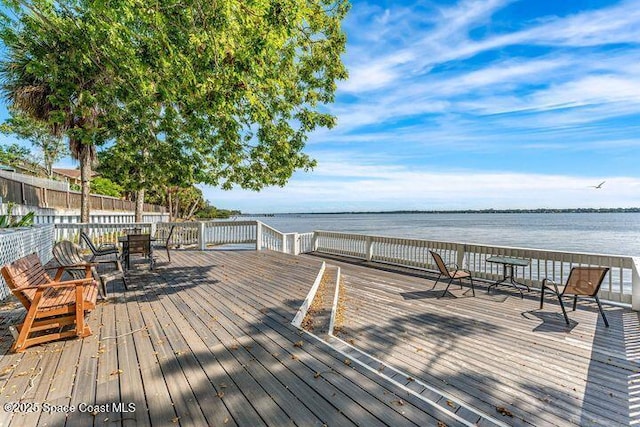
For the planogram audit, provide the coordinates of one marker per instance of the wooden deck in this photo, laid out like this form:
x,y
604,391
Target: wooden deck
x,y
205,340
497,352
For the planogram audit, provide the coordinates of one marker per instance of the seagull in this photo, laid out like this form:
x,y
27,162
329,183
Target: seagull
x,y
599,186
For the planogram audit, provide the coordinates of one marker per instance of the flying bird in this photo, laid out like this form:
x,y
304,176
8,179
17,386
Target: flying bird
x,y
598,186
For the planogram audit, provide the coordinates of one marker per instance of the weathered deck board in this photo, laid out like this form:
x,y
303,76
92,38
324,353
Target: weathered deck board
x,y
498,350
206,340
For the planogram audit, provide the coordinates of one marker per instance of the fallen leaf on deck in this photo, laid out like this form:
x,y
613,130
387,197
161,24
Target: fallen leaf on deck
x,y
347,362
504,411
298,344
451,404
317,375
175,420
220,394
116,372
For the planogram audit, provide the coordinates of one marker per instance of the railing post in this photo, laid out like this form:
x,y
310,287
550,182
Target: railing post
x,y
314,242
258,236
635,283
201,237
154,228
296,244
460,253
368,250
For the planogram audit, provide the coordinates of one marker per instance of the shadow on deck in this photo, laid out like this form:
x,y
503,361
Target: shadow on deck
x,y
205,340
497,352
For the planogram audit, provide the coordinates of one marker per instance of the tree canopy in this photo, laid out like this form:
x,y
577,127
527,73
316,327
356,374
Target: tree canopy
x,y
223,93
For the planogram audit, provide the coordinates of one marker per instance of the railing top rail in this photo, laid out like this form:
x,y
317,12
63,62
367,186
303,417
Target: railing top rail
x,y
227,222
477,245
99,224
269,228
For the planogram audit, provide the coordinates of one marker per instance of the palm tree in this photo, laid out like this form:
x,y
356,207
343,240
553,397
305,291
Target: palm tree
x,y
44,77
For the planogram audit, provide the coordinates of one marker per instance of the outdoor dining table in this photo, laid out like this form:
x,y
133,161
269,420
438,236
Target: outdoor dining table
x,y
124,242
509,266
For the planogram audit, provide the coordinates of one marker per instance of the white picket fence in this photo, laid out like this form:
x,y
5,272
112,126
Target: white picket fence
x,y
622,284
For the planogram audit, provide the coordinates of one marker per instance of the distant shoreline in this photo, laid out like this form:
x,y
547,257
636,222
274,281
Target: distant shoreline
x,y
463,211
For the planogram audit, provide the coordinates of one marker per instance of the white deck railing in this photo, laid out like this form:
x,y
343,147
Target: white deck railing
x,y
622,284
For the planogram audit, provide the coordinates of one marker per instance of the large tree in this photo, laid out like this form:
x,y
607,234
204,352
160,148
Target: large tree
x,y
232,87
236,87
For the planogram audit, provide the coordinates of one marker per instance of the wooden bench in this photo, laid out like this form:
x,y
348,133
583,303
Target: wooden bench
x,y
51,304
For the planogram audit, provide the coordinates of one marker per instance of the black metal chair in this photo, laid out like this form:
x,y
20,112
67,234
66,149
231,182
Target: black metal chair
x,y
103,249
455,273
139,244
163,239
582,282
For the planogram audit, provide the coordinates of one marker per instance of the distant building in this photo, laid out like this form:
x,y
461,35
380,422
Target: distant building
x,y
72,176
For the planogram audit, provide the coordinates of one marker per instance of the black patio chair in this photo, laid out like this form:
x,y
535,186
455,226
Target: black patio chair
x,y
163,239
582,282
102,250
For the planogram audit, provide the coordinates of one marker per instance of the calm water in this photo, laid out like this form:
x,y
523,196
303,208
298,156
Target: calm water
x,y
607,233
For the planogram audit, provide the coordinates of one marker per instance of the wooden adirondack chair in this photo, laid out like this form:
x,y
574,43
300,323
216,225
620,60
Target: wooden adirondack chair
x,y
68,254
51,304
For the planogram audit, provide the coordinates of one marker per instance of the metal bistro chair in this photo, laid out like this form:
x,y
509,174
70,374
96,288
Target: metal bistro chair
x,y
104,249
455,273
582,282
138,244
163,239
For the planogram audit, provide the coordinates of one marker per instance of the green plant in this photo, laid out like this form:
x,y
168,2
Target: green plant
x,y
7,220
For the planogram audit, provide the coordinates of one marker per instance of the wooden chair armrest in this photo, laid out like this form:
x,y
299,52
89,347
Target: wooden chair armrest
x,y
61,269
79,265
57,284
67,283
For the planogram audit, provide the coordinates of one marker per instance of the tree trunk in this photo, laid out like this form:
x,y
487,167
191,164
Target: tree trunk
x,y
139,204
85,179
176,204
192,210
170,203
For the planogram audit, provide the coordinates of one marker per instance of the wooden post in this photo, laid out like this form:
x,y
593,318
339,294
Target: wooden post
x,y
296,244
314,242
635,283
461,250
44,197
258,236
22,194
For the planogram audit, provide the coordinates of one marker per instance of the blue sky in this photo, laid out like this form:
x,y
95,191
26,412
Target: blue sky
x,y
476,104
